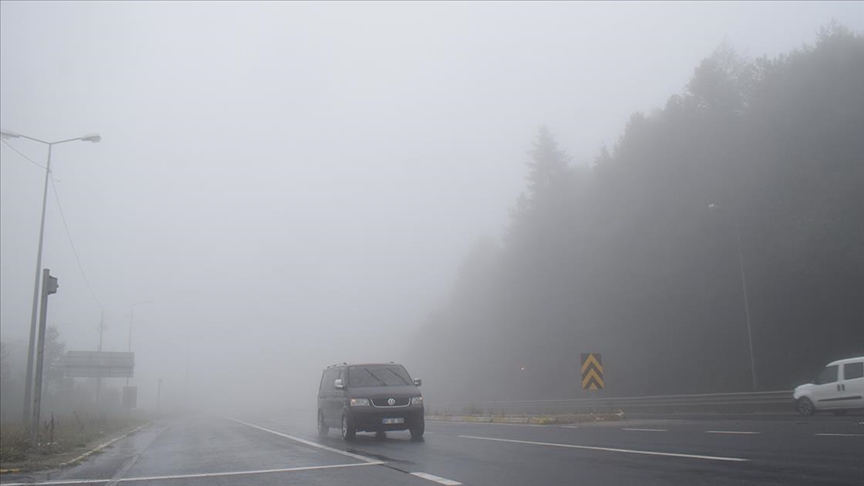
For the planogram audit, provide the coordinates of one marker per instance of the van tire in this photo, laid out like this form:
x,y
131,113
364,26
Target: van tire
x,y
348,429
323,429
417,430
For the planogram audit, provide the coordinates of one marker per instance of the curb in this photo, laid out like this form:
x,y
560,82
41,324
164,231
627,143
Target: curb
x,y
102,446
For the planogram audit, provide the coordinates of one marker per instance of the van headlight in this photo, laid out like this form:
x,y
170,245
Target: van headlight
x,y
417,400
359,402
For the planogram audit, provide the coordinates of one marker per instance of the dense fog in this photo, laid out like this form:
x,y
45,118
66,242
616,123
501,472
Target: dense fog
x,y
480,191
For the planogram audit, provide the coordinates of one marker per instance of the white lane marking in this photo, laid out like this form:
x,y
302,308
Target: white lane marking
x,y
439,480
646,430
202,475
82,456
309,442
609,449
490,423
841,435
736,432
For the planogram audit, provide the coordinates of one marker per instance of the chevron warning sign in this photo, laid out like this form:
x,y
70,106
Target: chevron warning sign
x,y
592,371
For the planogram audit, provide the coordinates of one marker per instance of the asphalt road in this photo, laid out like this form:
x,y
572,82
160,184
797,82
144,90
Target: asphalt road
x,y
284,449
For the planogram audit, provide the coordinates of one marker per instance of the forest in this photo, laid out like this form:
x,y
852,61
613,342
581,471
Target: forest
x,y
742,199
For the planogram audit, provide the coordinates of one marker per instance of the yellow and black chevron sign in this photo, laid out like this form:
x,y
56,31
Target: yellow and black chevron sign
x,y
592,372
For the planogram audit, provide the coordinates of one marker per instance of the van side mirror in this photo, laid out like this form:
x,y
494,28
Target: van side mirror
x,y
418,382
338,384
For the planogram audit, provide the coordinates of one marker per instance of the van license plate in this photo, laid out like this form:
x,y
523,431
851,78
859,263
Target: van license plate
x,y
388,421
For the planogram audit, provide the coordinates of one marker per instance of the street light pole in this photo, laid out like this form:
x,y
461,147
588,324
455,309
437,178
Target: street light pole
x,y
746,304
131,318
28,388
746,300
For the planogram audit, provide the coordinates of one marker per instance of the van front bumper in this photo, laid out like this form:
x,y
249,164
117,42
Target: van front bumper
x,y
371,419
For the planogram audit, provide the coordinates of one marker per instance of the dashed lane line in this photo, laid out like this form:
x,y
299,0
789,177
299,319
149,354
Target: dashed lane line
x,y
840,435
732,432
610,449
192,476
645,430
437,479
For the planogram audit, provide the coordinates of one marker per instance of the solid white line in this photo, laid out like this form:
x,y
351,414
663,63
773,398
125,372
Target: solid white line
x,y
309,442
202,475
609,449
736,432
646,430
841,435
439,480
82,456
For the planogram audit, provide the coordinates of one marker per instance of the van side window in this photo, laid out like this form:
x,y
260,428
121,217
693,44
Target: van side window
x,y
829,375
853,370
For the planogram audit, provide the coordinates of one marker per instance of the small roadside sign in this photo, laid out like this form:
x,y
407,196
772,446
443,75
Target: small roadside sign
x,y
592,372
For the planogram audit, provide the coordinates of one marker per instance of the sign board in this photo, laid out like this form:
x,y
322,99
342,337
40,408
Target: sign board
x,y
97,364
130,397
592,372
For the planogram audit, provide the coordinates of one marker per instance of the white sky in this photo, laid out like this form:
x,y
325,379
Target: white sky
x,y
295,184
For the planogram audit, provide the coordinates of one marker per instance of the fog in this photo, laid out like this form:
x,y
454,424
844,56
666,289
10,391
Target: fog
x,y
283,186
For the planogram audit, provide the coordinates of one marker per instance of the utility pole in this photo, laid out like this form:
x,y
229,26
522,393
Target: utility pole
x,y
741,270
158,394
186,382
49,286
746,306
99,378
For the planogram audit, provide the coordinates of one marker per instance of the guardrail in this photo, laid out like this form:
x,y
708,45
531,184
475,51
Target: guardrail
x,y
764,402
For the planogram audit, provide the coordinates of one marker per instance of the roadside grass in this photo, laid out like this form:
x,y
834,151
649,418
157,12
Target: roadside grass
x,y
60,439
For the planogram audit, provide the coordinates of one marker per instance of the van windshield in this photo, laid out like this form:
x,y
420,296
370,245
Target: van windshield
x,y
378,375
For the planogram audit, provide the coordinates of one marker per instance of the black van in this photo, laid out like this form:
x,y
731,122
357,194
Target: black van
x,y
374,397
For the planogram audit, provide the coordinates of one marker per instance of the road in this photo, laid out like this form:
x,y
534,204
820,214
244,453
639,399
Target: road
x,y
284,449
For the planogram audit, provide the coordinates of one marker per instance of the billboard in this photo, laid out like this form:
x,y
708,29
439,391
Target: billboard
x,y
96,364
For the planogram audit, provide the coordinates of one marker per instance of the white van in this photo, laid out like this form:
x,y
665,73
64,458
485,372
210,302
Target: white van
x,y
840,387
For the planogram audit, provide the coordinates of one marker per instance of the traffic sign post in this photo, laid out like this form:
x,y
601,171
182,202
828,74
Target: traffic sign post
x,y
49,286
592,372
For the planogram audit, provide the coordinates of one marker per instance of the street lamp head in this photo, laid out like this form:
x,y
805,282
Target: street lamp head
x,y
93,137
5,134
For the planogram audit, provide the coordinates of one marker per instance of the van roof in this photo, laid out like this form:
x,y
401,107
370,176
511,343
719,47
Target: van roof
x,y
360,364
846,361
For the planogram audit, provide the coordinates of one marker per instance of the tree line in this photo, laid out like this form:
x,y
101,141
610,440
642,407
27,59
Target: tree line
x,y
752,177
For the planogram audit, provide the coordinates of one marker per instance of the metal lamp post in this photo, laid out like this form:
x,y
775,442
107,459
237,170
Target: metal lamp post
x,y
131,319
746,301
95,138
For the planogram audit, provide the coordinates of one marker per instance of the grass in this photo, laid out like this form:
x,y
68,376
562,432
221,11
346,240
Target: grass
x,y
60,439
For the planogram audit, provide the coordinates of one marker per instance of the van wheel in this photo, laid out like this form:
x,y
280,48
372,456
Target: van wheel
x,y
417,430
323,430
805,406
348,430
